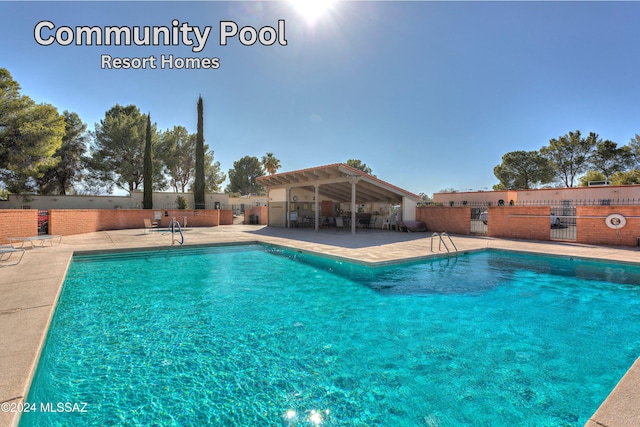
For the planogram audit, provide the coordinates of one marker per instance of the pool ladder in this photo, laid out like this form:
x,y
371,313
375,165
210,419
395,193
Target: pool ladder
x,y
442,242
175,224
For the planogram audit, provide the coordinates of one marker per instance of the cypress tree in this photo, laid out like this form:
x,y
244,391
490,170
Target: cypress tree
x,y
147,198
198,185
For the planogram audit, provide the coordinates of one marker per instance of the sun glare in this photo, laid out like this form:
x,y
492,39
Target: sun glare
x,y
312,10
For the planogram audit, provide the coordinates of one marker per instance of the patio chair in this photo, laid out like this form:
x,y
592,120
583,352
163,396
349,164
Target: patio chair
x,y
390,222
148,224
386,223
339,223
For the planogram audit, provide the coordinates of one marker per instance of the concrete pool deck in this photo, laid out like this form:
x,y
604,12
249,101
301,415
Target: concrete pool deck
x,y
30,290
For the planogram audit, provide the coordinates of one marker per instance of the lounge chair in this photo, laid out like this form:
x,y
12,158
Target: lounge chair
x,y
148,224
6,253
35,241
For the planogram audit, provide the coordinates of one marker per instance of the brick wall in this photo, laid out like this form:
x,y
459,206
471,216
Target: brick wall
x,y
520,222
533,223
18,223
226,217
592,229
455,220
76,221
261,211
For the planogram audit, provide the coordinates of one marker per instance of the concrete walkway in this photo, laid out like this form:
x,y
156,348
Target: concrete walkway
x,y
30,290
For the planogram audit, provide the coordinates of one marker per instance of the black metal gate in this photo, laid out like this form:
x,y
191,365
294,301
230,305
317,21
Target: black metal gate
x,y
563,222
479,219
43,222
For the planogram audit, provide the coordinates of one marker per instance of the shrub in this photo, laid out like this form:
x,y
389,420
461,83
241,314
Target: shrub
x,y
181,201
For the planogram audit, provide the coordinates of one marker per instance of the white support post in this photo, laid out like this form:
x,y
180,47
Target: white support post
x,y
315,206
353,205
288,207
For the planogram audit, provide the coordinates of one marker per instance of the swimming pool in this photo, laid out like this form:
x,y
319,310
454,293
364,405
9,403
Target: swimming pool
x,y
253,335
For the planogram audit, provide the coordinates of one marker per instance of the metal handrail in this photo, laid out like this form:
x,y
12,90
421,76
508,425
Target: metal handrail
x,y
173,226
450,240
442,242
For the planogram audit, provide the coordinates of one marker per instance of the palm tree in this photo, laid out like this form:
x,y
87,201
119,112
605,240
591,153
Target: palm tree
x,y
270,163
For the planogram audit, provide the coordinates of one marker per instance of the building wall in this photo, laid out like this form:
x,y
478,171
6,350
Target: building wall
x,y
409,209
247,201
277,214
617,192
167,200
455,220
18,223
277,195
592,229
472,198
550,195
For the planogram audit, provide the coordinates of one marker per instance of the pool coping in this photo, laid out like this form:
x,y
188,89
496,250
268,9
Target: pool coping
x,y
27,310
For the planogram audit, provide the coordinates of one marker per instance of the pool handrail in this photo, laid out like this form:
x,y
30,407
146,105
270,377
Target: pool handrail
x,y
173,226
442,242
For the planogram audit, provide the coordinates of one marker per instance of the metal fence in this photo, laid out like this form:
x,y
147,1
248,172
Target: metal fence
x,y
209,206
569,202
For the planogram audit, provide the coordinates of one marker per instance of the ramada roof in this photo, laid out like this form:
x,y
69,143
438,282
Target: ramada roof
x,y
334,182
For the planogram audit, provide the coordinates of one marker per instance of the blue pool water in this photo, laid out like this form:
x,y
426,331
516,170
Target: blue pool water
x,y
257,336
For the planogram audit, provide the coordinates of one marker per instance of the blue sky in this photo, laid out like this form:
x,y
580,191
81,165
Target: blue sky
x,y
429,94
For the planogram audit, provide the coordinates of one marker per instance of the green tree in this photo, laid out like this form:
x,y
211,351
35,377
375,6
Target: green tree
x,y
499,187
242,178
569,155
270,163
634,152
591,176
182,203
521,170
358,164
69,171
147,198
625,178
117,153
198,185
177,149
30,134
214,177
609,159
424,199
